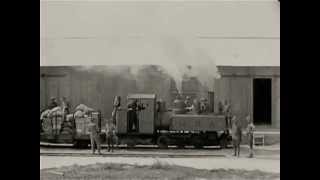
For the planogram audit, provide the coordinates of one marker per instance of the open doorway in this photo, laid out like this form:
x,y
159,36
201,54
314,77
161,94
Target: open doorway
x,y
262,101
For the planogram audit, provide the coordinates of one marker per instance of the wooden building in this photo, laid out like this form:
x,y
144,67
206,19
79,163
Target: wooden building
x,y
253,90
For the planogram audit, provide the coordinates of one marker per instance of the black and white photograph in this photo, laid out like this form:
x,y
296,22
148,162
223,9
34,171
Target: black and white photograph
x,y
160,89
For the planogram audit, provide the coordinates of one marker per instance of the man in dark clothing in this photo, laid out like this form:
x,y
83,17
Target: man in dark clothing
x,y
133,107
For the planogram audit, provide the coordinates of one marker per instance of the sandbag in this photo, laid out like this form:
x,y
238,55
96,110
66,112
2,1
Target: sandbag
x,y
45,114
79,114
84,108
47,125
69,117
57,111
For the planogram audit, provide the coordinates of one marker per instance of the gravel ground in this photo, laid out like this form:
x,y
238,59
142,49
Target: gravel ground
x,y
267,165
157,170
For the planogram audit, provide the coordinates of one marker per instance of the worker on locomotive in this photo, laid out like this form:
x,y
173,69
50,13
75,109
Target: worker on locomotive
x,y
133,108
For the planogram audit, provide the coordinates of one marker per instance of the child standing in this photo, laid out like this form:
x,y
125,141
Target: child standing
x,y
250,130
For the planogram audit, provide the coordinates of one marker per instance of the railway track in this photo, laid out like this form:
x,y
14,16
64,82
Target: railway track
x,y
137,147
49,149
115,154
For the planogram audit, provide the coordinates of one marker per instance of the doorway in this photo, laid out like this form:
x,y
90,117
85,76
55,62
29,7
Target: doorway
x,y
262,101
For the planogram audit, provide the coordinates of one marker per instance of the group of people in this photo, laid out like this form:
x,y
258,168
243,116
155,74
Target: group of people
x,y
198,107
236,130
96,139
234,123
64,104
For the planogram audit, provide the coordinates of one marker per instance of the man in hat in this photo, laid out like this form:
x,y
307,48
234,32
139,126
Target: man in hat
x,y
250,130
65,105
203,105
111,134
227,113
187,102
116,106
236,135
94,136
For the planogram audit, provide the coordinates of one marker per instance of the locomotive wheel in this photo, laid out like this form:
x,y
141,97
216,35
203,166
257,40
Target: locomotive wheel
x,y
197,142
131,143
81,144
163,142
223,143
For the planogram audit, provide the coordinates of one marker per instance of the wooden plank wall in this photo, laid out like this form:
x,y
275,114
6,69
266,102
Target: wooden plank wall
x,y
237,91
95,89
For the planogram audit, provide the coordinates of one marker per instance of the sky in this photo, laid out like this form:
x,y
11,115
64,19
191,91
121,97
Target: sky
x,y
237,33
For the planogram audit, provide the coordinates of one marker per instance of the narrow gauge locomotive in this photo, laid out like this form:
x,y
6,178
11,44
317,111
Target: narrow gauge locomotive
x,y
157,125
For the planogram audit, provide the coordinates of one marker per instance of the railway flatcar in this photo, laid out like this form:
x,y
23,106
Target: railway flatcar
x,y
69,130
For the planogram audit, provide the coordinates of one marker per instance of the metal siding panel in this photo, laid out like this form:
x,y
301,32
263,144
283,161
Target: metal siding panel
x,y
197,123
146,117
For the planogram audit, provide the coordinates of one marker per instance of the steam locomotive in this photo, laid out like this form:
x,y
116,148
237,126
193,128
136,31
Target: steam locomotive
x,y
156,125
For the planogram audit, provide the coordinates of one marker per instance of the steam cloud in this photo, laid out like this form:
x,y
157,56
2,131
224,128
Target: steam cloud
x,y
152,39
176,56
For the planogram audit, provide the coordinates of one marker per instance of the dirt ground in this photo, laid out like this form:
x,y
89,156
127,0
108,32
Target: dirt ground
x,y
265,164
157,170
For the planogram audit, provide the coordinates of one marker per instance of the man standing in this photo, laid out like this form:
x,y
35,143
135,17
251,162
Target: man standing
x,y
94,136
116,106
111,134
250,130
227,113
65,105
236,135
132,114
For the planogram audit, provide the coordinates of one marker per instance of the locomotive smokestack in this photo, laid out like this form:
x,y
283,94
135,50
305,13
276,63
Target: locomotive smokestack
x,y
179,105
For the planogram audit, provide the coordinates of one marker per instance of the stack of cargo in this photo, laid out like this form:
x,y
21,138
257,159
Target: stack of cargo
x,y
52,120
82,119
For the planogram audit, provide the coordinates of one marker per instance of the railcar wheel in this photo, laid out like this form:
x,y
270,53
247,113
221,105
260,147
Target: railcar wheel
x,y
197,142
163,142
80,144
223,143
131,143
